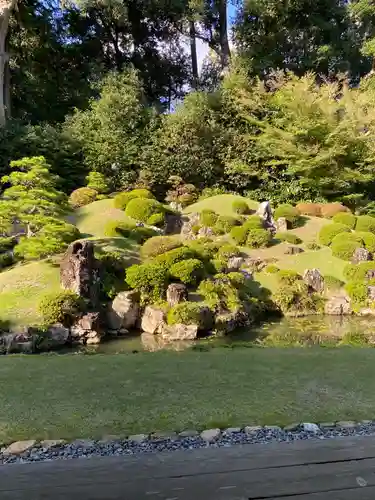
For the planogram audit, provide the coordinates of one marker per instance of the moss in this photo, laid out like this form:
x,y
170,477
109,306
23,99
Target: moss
x,y
344,250
332,283
121,200
159,245
365,223
240,207
208,218
288,237
82,196
288,276
368,240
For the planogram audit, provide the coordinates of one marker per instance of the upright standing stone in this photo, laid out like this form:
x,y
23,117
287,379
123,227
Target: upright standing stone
x,y
361,255
265,212
79,272
314,279
176,293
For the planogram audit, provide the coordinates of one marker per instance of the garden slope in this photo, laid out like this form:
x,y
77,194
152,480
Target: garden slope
x,y
221,204
22,286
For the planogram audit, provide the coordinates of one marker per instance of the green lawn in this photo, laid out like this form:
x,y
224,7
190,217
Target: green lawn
x,y
221,204
67,396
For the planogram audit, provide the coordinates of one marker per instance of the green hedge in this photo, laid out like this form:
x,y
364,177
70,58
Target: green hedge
x,y
365,223
345,218
344,250
188,271
141,209
258,238
150,279
368,240
158,245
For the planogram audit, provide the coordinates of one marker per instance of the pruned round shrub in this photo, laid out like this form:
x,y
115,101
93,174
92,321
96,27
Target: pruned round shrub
x,y
272,269
288,276
239,234
225,223
208,218
168,259
240,207
332,283
254,222
345,218
220,294
237,279
141,209
311,209
365,223
60,307
188,271
368,240
258,238
122,199
290,213
226,251
98,182
158,245
218,265
288,237
82,196
328,210
357,291
344,250
360,272
156,219
203,249
327,233
150,279
345,237
62,231
187,313
118,228
295,298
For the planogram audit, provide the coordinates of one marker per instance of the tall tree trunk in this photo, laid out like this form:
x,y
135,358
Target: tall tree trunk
x,y
223,33
6,7
193,52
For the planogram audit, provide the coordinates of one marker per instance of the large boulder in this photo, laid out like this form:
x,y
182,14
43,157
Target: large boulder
x,y
56,336
153,320
205,232
87,329
361,255
314,279
293,250
25,341
188,221
264,211
79,271
229,321
281,225
176,293
124,311
338,305
173,224
180,332
234,264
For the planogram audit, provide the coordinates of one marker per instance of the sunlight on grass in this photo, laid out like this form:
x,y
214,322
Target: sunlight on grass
x,y
221,204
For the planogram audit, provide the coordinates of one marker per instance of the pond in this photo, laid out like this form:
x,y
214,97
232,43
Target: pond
x,y
284,332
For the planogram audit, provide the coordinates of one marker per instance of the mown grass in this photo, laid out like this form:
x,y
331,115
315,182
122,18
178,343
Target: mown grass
x,y
69,396
221,204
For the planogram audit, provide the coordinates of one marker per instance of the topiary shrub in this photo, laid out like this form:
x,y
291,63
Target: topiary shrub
x,y
312,246
240,207
218,265
208,218
365,223
168,259
254,222
60,307
156,219
288,237
359,272
98,182
345,237
227,251
368,240
344,250
290,213
187,313
295,298
271,269
357,291
329,210
239,234
219,294
158,245
332,283
66,233
141,209
203,249
150,279
258,238
327,233
345,218
82,196
311,209
225,223
237,279
118,228
188,271
122,199
288,276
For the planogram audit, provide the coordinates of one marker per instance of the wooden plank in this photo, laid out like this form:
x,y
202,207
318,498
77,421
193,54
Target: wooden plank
x,y
84,479
206,460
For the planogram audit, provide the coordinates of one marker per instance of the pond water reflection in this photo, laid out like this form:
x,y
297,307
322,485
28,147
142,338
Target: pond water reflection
x,y
284,332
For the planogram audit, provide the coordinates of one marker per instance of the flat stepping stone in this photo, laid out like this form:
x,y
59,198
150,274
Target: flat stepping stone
x,y
48,444
19,447
210,435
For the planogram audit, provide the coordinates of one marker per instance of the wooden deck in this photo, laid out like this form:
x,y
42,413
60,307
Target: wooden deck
x,y
339,469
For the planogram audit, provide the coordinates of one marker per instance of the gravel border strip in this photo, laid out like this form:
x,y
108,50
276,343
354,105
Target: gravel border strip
x,y
47,450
